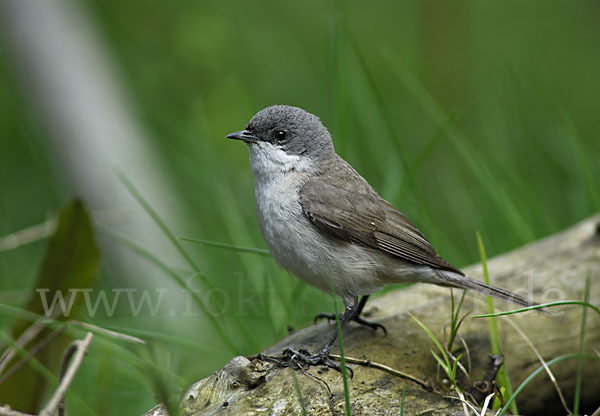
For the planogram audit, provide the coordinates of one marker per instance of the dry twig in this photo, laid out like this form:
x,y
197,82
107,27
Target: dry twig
x,y
71,363
77,349
108,332
543,362
382,367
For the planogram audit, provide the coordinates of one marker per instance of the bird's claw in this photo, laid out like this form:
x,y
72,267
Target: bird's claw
x,y
373,325
304,357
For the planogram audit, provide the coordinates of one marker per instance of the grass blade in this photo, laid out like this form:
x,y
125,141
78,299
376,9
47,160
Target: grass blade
x,y
433,338
161,224
541,306
342,355
510,210
455,322
45,373
208,243
583,164
494,335
408,167
337,74
541,360
540,370
300,395
343,363
581,344
136,248
402,394
440,362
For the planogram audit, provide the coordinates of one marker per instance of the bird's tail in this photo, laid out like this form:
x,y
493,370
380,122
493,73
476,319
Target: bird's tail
x,y
463,282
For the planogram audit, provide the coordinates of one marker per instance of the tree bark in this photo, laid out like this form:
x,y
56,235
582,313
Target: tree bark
x,y
552,269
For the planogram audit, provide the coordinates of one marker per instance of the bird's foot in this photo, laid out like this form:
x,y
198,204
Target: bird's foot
x,y
303,358
373,325
331,318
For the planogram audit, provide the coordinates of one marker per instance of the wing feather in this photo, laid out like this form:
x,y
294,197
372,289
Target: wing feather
x,y
354,212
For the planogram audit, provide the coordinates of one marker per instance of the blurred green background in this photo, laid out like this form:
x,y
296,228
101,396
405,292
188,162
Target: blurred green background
x,y
466,115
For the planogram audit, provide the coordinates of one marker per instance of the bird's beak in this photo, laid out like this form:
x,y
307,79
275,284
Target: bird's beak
x,y
244,136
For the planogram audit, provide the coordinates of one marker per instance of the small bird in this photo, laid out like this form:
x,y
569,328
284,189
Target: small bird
x,y
324,223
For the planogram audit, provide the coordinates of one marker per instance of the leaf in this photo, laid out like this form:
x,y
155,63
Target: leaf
x,y
71,261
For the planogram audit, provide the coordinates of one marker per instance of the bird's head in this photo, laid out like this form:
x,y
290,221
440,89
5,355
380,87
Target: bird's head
x,y
282,138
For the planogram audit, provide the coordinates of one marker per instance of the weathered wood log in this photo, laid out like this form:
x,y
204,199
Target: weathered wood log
x,y
549,270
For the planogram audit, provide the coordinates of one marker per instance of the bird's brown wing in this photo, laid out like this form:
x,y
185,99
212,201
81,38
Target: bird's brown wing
x,y
354,212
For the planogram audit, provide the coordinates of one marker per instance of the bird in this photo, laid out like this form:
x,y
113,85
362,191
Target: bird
x,y
324,223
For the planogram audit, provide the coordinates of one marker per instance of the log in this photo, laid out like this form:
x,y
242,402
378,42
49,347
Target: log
x,y
552,269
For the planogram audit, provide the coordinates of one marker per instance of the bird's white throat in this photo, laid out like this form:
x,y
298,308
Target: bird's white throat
x,y
267,159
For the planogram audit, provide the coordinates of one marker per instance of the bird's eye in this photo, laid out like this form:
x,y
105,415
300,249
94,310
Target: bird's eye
x,y
280,135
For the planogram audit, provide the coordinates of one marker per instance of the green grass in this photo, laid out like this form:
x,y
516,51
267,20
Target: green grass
x,y
540,306
443,358
503,377
225,246
504,385
455,319
300,395
584,310
340,341
402,395
217,326
580,355
541,370
447,128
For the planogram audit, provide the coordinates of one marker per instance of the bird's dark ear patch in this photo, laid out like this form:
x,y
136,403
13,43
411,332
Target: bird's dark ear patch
x,y
293,145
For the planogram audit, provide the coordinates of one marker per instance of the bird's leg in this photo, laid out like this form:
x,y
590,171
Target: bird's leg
x,y
356,317
303,356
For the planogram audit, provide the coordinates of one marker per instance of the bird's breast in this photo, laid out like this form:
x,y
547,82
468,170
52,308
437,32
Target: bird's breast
x,y
291,238
299,247
278,210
